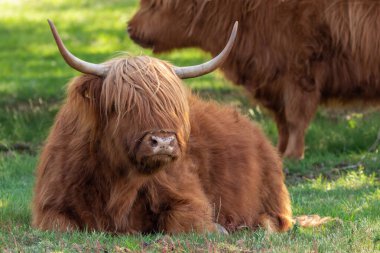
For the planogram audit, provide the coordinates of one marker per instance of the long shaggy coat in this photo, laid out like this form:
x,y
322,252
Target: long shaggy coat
x,y
89,175
291,55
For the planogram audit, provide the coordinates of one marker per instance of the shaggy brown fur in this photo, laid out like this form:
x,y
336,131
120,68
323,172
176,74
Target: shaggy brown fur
x,y
89,177
290,54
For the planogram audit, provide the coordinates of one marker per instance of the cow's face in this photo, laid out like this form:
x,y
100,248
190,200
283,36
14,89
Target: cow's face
x,y
135,109
163,25
147,113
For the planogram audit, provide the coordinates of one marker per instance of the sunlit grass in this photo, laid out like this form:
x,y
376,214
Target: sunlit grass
x,y
353,180
3,203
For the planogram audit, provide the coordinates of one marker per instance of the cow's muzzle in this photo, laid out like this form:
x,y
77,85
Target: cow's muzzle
x,y
157,149
138,39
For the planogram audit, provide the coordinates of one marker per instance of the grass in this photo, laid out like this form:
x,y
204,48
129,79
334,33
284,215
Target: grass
x,y
339,176
353,197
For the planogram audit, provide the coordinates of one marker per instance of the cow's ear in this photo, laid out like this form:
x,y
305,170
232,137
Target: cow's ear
x,y
90,87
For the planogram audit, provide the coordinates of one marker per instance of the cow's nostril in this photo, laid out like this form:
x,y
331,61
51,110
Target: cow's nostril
x,y
161,143
129,29
154,143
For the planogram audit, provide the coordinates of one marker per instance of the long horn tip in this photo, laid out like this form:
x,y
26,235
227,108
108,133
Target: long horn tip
x,y
235,29
75,62
236,24
202,69
52,28
51,24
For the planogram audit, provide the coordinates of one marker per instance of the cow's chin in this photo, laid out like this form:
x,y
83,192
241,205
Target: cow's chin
x,y
142,42
154,163
146,43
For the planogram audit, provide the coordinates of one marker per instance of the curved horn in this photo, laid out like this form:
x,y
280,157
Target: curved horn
x,y
73,61
207,67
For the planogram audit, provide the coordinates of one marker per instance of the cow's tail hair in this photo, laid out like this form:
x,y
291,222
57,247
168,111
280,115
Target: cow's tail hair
x,y
314,220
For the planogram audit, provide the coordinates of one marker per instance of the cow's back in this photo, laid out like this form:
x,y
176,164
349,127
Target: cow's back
x,y
237,165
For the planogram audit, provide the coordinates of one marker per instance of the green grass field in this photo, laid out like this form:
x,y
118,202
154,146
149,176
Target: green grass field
x,y
339,176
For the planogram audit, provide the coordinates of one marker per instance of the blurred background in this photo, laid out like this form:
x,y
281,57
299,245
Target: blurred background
x,y
33,76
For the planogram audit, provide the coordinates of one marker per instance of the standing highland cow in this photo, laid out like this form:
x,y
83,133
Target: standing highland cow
x,y
132,150
290,54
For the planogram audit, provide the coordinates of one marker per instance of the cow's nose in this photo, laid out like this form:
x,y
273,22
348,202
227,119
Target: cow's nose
x,y
163,145
130,29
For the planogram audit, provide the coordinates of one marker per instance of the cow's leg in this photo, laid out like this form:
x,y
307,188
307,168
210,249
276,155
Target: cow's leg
x,y
300,107
188,215
276,214
187,207
283,132
296,143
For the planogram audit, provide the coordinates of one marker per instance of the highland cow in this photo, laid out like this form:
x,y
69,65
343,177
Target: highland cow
x,y
132,150
290,55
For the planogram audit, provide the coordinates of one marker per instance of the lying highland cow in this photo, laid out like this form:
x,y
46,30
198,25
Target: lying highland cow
x,y
132,150
291,55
